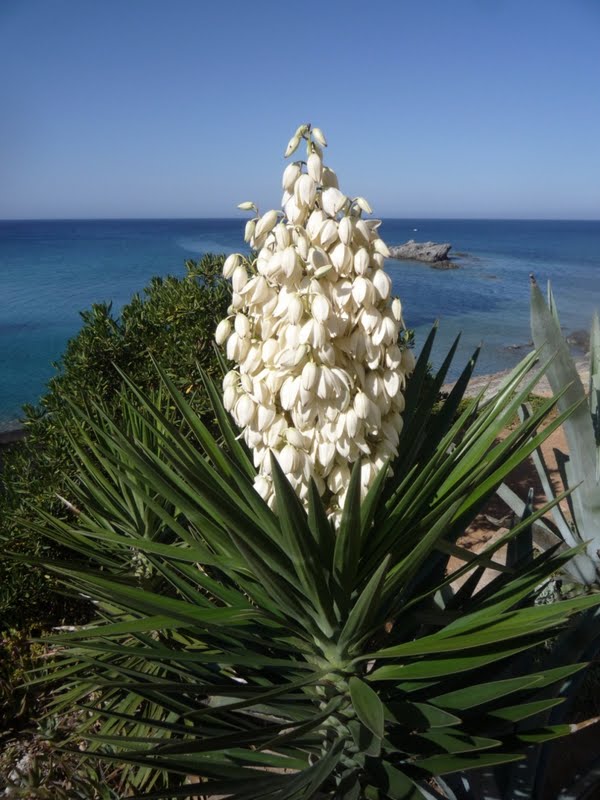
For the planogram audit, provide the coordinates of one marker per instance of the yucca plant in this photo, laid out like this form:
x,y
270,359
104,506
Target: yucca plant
x,y
267,653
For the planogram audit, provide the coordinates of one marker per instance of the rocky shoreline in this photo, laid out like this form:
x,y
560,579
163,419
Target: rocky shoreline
x,y
11,435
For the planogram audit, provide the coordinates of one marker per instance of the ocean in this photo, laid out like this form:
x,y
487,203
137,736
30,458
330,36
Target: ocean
x,y
51,270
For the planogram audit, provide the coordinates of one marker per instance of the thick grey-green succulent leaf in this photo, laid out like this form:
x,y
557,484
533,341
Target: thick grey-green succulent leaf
x,y
579,427
594,386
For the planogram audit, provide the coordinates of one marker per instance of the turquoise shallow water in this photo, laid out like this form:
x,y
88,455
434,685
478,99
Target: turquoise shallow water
x,y
50,270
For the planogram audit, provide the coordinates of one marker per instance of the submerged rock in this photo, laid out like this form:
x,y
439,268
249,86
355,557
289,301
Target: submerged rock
x,y
580,340
446,264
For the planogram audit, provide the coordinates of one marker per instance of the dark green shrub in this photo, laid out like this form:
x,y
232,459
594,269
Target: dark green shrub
x,y
17,657
173,321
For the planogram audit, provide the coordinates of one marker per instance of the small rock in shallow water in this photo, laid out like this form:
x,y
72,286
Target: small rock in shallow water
x,y
444,264
580,340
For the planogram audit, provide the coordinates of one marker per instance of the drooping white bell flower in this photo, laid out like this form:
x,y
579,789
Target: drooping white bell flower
x,y
315,336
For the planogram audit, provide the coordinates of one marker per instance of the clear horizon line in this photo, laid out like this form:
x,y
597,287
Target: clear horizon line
x,y
242,219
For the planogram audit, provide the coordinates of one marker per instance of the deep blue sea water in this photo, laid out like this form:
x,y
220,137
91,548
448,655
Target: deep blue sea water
x,y
50,270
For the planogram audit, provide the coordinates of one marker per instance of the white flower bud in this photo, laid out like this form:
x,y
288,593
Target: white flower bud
x,y
289,392
329,233
237,349
231,379
361,405
393,356
326,354
244,410
362,289
257,290
369,319
326,455
269,350
293,212
289,459
381,247
302,243
332,201
265,417
310,375
362,231
223,331
329,179
230,396
319,137
248,205
314,166
351,423
260,393
249,230
292,146
295,438
305,191
288,260
231,262
318,258
314,225
320,308
301,130
295,309
282,236
267,309
239,278
363,205
263,486
292,336
339,478
397,309
385,332
341,258
391,382
361,261
408,360
373,385
382,284
345,230
313,333
242,325
290,175
265,223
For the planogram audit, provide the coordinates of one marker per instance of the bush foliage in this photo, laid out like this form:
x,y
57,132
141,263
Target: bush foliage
x,y
173,321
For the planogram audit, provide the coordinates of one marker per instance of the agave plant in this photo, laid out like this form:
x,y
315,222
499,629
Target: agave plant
x,y
268,654
580,468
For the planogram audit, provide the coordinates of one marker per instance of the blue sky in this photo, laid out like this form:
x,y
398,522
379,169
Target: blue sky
x,y
432,108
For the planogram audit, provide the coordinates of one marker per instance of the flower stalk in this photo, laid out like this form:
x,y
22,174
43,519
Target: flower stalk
x,y
315,336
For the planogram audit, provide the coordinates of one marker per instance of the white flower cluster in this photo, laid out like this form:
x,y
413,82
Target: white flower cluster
x,y
314,334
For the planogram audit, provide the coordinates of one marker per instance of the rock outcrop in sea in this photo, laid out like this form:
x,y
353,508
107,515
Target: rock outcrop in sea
x,y
434,254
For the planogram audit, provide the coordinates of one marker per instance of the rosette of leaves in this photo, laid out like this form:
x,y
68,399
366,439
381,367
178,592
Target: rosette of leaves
x,y
268,655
